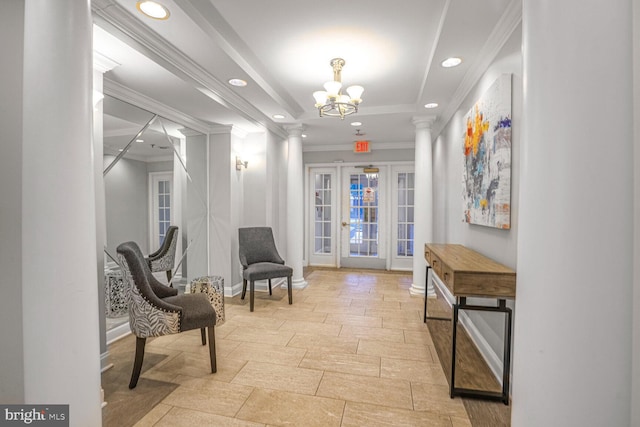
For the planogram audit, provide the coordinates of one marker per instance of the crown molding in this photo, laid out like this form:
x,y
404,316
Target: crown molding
x,y
126,94
120,23
102,63
508,22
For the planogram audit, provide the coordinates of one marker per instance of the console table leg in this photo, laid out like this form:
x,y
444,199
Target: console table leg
x,y
454,333
506,366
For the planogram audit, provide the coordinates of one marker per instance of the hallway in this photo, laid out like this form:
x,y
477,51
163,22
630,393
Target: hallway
x,y
352,350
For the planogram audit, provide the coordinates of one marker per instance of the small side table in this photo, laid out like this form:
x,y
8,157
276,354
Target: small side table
x,y
115,294
213,286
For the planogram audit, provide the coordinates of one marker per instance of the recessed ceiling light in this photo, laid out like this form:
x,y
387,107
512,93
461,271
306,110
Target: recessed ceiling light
x,y
431,105
356,123
153,10
237,82
139,140
278,116
304,135
451,62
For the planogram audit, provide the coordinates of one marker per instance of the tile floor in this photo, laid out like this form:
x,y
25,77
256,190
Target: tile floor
x,y
352,350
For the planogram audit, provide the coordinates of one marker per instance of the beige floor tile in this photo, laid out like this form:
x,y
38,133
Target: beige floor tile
x,y
254,322
193,344
377,334
179,417
383,305
204,395
418,337
324,343
359,415
324,300
397,393
435,398
399,323
279,377
356,364
195,366
460,422
350,319
268,353
395,351
263,336
413,315
337,309
153,416
291,409
300,314
413,370
311,327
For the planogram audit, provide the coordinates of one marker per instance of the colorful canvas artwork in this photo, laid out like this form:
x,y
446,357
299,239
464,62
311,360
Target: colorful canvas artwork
x,y
486,174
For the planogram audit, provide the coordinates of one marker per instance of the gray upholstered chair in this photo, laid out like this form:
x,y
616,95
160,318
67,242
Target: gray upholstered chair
x,y
164,258
156,309
260,260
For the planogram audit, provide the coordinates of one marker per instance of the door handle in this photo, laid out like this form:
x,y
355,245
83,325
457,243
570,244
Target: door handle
x,y
344,224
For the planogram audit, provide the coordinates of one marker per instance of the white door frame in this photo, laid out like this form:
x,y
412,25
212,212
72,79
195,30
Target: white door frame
x,y
398,262
154,178
331,259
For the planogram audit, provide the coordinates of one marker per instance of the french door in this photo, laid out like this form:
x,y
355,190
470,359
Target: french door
x,y
322,236
361,217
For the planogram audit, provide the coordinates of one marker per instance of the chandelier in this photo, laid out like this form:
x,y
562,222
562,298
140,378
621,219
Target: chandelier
x,y
331,102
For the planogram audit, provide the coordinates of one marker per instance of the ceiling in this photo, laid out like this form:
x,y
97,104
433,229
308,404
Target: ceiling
x,y
180,67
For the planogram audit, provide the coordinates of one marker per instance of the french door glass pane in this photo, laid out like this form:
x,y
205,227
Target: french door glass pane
x,y
322,218
405,214
363,215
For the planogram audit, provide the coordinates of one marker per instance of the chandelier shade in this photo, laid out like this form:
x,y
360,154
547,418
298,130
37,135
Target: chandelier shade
x,y
331,101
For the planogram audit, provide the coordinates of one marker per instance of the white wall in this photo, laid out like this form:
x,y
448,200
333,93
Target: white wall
x,y
449,227
254,181
127,204
635,381
11,47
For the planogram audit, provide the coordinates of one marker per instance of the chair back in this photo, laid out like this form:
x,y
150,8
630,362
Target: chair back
x,y
256,244
164,258
149,315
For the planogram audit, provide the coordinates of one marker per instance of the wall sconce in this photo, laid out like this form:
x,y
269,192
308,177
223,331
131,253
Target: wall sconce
x,y
240,163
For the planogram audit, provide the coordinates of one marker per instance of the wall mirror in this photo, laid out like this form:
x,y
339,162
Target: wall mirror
x,y
154,177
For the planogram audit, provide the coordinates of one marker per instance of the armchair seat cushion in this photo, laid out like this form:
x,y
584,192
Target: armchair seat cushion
x,y
266,270
197,312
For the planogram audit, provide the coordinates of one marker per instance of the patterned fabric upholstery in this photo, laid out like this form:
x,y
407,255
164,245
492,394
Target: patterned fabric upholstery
x,y
156,309
164,258
213,287
149,314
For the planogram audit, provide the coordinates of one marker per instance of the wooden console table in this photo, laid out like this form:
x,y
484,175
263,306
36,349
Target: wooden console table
x,y
466,273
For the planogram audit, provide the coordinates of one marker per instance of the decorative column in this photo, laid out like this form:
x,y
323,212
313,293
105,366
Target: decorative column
x,y
59,289
295,205
573,325
423,204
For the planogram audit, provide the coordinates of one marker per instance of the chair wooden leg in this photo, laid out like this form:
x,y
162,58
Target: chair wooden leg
x,y
204,336
270,287
137,364
212,349
251,295
169,278
290,290
244,288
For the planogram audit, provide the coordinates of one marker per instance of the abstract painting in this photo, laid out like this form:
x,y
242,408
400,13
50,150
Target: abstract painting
x,y
486,174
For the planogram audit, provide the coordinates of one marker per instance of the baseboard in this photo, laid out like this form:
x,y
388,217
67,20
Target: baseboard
x,y
114,334
260,286
490,357
104,362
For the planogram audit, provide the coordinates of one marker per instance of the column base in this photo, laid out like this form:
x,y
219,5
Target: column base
x,y
419,291
296,284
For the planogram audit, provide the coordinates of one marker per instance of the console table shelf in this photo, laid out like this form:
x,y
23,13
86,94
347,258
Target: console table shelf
x,y
466,273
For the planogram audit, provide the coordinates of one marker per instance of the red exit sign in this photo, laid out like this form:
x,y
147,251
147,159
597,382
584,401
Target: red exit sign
x,y
361,147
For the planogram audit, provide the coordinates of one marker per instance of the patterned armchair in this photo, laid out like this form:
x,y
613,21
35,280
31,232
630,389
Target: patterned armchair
x,y
156,309
164,258
260,260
